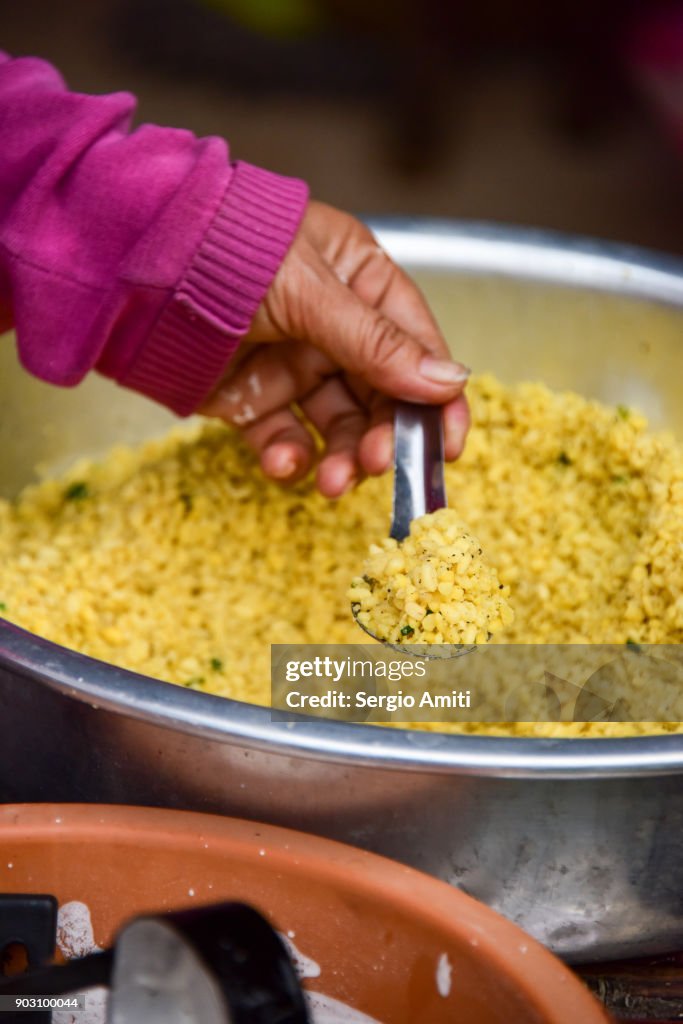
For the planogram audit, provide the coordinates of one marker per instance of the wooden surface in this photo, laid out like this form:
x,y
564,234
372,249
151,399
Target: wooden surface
x,y
639,991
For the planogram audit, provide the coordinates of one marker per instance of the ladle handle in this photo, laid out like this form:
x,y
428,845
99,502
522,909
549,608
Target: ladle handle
x,y
418,465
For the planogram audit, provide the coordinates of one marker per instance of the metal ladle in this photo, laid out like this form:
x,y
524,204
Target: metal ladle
x,y
419,488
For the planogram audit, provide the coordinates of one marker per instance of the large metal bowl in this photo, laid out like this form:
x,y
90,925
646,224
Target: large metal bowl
x,y
579,842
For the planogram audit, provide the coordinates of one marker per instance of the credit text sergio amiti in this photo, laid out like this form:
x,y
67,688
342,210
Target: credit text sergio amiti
x,y
338,671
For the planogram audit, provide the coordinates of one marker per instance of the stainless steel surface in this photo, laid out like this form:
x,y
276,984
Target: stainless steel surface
x,y
578,841
419,485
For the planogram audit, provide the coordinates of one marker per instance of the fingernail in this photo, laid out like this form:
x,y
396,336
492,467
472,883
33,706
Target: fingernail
x,y
338,473
351,483
443,371
455,437
281,466
385,449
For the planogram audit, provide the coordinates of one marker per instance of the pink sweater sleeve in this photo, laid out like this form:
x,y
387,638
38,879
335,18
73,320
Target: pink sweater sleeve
x,y
143,254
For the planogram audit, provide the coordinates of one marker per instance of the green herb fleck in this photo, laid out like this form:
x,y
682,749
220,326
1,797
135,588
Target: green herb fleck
x,y
3,606
623,412
407,631
621,479
632,643
77,491
216,664
371,581
429,612
187,502
194,683
564,459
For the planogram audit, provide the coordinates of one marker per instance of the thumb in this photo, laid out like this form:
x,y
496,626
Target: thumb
x,y
364,341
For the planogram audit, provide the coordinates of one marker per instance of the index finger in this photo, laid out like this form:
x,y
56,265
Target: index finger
x,y
356,257
381,283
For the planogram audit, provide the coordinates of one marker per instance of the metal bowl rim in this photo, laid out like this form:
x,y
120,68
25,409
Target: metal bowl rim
x,y
106,687
539,254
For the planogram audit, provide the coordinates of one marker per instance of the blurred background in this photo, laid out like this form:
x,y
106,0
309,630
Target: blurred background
x,y
561,115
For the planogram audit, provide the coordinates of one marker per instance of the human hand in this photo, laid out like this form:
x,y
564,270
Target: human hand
x,y
341,332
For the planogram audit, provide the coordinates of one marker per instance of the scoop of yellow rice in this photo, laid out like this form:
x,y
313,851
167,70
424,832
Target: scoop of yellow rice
x,y
180,561
433,588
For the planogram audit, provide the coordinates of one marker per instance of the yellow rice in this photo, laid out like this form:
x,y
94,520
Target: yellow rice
x,y
435,587
180,561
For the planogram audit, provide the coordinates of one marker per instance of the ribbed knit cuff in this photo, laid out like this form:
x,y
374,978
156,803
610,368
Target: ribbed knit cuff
x,y
184,356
